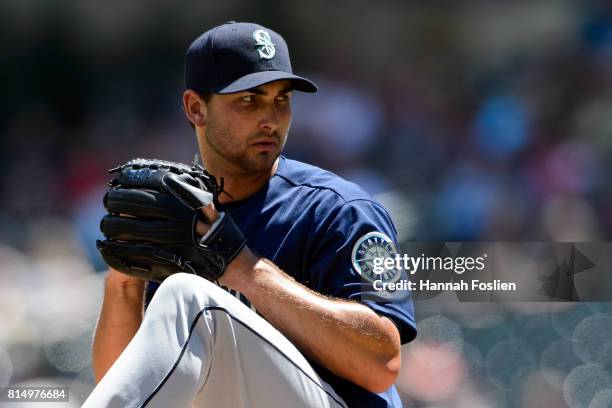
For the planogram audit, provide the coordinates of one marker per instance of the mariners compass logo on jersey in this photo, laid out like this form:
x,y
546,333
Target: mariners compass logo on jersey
x,y
370,246
264,44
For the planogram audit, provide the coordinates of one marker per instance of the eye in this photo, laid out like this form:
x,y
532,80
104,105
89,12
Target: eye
x,y
283,98
247,98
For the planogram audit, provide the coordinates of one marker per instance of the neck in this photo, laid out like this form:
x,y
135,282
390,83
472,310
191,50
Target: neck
x,y
238,184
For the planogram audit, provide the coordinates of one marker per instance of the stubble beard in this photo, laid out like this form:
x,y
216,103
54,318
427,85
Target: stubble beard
x,y
241,156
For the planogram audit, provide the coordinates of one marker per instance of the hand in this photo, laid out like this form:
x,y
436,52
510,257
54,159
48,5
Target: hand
x,y
236,272
152,227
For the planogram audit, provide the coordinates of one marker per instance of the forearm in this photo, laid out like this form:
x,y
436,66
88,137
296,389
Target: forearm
x,y
347,338
120,318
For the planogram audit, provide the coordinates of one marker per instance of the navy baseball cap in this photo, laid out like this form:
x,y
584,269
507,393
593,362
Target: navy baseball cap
x,y
234,57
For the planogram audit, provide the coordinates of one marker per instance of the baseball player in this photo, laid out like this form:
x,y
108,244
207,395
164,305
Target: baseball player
x,y
261,297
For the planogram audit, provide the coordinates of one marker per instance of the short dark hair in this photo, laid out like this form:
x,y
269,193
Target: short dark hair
x,y
206,95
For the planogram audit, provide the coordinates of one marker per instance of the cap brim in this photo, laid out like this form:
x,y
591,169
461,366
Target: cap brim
x,y
261,78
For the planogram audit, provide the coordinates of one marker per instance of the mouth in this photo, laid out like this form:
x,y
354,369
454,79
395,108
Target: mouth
x,y
265,143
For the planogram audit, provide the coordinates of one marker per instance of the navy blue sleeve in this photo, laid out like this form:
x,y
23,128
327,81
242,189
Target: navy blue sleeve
x,y
150,289
331,262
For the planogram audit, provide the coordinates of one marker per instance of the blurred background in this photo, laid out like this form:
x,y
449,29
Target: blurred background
x,y
469,120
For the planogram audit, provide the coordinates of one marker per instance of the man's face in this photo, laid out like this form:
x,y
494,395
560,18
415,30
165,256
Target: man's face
x,y
249,128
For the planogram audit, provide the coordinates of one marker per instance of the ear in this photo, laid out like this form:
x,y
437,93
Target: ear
x,y
195,108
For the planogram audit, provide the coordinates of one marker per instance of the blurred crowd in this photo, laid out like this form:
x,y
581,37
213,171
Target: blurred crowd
x,y
469,121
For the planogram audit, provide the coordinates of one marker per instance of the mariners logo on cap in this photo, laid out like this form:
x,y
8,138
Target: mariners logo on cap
x,y
264,44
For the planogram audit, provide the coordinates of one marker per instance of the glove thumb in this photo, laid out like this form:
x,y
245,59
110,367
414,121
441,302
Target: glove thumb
x,y
193,197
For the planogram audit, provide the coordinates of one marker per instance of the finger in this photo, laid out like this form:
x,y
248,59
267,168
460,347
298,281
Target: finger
x,y
211,216
137,260
136,176
210,213
202,228
141,203
146,230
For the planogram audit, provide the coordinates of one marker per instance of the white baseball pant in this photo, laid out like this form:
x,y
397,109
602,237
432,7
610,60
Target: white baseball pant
x,y
198,346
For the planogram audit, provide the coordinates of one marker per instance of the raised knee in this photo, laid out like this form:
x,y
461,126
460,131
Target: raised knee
x,y
182,279
183,284
189,289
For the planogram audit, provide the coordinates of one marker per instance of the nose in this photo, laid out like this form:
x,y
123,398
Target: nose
x,y
269,121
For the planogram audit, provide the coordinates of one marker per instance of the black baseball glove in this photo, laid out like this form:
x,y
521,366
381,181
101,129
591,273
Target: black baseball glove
x,y
153,209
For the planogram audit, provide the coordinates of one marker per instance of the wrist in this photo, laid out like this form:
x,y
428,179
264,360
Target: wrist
x,y
239,272
115,279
